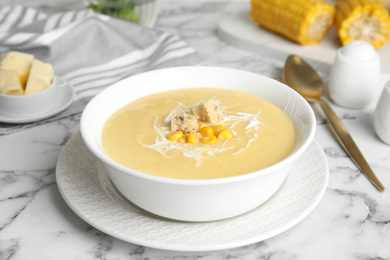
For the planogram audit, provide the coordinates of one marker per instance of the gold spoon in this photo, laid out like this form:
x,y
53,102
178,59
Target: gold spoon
x,y
300,76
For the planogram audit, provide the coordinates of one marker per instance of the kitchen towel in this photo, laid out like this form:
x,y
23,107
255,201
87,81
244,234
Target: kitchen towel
x,y
89,50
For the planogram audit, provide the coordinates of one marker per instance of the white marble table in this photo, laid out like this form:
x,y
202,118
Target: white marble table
x,y
352,221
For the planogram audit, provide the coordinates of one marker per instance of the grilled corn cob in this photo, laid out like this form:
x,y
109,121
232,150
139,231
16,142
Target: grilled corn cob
x,y
303,21
366,20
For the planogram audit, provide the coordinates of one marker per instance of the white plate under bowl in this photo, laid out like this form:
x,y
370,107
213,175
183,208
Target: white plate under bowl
x,y
87,189
64,98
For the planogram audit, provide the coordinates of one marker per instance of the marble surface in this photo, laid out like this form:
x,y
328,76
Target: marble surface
x,y
352,221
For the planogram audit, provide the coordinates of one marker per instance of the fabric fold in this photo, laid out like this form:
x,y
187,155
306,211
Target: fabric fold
x,y
90,50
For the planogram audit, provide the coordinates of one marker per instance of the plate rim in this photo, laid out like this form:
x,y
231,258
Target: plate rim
x,y
77,140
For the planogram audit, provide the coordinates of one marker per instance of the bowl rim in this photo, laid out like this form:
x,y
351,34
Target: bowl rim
x,y
212,181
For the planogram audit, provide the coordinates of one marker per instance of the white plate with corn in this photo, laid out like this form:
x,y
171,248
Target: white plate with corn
x,y
313,29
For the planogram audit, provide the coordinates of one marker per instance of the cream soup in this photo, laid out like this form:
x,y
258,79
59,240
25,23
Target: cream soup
x,y
136,136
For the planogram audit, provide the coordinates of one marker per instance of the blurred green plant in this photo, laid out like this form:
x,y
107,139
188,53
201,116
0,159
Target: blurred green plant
x,y
123,9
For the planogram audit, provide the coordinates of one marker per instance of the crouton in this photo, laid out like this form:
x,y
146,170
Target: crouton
x,y
210,111
183,120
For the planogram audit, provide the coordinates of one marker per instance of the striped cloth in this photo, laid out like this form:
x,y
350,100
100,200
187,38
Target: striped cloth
x,y
91,51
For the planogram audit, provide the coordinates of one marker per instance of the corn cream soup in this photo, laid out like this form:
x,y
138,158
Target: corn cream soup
x,y
136,136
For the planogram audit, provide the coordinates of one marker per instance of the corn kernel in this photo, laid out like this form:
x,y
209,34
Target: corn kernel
x,y
225,134
182,140
206,131
211,139
175,136
192,138
202,124
217,129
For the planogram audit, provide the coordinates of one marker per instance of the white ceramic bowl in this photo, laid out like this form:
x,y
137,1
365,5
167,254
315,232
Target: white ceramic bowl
x,y
197,200
29,105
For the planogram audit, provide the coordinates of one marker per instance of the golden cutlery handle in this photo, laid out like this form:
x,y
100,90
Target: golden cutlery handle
x,y
348,144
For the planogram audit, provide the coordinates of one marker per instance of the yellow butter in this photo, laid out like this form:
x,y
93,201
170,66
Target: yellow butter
x,y
41,76
21,62
10,83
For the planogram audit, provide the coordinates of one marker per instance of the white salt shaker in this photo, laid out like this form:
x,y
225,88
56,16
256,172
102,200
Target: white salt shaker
x,y
382,115
355,76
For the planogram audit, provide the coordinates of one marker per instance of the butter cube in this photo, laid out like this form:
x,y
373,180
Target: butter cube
x,y
10,83
41,76
21,62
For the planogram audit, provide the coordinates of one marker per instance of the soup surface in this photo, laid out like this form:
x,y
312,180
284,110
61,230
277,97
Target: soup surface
x,y
136,136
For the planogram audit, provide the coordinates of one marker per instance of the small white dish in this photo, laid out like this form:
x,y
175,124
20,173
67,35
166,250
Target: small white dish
x,y
87,189
63,98
30,104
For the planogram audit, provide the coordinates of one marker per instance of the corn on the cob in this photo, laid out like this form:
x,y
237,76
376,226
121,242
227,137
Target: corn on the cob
x,y
366,20
303,21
